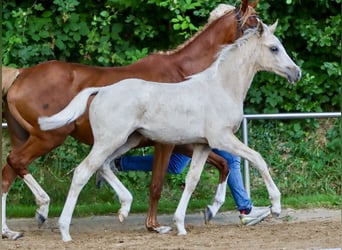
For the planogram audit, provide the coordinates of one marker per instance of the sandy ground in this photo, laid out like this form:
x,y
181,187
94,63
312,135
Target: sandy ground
x,y
296,229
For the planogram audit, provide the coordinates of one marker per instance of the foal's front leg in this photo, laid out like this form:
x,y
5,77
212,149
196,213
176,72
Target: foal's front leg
x,y
236,147
222,165
199,158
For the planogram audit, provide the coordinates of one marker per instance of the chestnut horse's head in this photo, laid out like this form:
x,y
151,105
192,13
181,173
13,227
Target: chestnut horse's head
x,y
249,17
246,15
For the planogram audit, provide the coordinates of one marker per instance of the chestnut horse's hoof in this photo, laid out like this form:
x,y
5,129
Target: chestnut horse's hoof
x,y
208,215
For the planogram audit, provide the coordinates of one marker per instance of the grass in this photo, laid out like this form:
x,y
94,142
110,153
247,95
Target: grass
x,y
165,207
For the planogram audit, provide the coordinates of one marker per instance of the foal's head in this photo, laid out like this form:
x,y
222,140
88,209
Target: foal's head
x,y
272,54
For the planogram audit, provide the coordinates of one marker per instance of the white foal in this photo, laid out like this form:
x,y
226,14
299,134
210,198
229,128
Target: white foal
x,y
206,110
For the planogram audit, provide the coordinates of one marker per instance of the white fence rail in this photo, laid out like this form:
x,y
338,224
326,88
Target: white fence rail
x,y
268,117
275,117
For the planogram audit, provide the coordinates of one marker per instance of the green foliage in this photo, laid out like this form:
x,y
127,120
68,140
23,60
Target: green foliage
x,y
311,34
303,161
117,32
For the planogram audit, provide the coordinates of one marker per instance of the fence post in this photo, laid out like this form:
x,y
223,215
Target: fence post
x,y
246,162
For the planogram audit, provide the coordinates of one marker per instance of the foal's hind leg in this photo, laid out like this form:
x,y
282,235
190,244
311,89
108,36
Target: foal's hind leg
x,y
81,176
99,157
124,195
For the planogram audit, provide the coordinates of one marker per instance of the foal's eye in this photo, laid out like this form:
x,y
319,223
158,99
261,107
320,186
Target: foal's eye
x,y
274,49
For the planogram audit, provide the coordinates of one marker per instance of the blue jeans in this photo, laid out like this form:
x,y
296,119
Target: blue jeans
x,y
178,162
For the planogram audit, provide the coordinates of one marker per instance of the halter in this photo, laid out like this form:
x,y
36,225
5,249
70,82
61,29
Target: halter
x,y
238,18
240,28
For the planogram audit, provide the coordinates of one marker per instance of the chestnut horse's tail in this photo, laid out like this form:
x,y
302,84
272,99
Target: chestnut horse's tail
x,y
70,113
8,76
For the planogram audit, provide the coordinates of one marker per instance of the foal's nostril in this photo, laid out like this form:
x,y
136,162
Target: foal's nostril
x,y
299,74
296,72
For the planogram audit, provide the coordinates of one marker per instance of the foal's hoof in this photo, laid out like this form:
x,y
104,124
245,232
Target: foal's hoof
x,y
40,218
12,235
275,214
122,216
208,215
162,229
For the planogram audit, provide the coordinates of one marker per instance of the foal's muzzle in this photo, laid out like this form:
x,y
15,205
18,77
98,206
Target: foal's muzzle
x,y
294,74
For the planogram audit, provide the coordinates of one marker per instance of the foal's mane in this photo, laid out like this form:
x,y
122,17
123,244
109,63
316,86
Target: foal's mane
x,y
212,19
226,49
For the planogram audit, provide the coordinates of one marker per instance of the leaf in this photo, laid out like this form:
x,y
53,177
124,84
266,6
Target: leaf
x,y
176,26
44,34
184,25
77,37
60,44
83,29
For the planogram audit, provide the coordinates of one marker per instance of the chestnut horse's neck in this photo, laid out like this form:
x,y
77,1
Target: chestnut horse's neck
x,y
200,52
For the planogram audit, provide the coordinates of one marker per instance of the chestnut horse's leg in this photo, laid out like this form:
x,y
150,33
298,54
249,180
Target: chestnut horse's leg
x,y
20,158
24,151
161,159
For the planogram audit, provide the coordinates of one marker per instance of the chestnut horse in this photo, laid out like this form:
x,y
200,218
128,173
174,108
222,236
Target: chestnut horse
x,y
209,110
46,88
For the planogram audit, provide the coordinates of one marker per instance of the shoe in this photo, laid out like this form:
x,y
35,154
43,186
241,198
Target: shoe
x,y
256,215
99,180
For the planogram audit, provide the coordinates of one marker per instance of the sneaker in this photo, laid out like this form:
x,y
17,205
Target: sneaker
x,y
99,180
256,215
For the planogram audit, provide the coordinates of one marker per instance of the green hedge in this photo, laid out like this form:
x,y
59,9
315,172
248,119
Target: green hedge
x,y
118,32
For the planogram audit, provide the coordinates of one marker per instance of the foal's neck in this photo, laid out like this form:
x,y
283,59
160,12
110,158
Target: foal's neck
x,y
238,69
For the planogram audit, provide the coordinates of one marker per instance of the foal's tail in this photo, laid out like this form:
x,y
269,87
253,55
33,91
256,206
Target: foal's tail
x,y
8,75
70,113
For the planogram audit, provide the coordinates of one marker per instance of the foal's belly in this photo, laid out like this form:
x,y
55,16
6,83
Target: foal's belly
x,y
178,137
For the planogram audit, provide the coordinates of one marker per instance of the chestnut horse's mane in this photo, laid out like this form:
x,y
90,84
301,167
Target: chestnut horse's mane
x,y
8,74
217,13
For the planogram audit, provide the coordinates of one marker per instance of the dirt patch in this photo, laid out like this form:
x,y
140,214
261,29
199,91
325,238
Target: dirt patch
x,y
296,229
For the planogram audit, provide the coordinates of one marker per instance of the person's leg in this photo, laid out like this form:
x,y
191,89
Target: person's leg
x,y
249,215
176,165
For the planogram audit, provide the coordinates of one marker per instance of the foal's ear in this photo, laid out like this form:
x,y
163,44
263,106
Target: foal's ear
x,y
260,28
273,27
